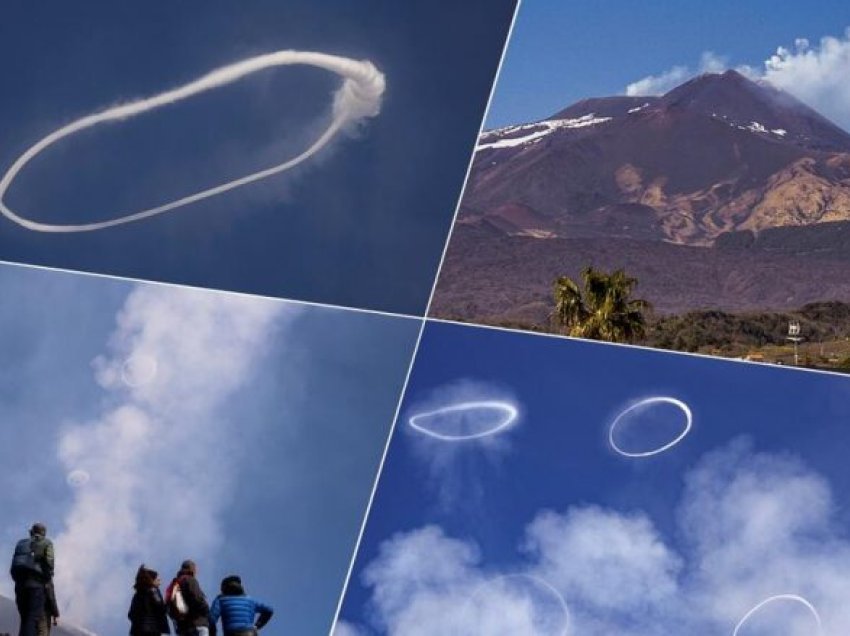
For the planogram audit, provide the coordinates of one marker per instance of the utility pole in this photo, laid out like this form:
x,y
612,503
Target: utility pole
x,y
795,337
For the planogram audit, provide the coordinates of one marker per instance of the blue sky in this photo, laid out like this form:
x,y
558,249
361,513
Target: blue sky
x,y
362,224
555,469
252,448
561,52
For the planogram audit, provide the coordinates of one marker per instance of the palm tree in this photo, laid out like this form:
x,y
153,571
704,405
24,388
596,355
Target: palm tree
x,y
603,310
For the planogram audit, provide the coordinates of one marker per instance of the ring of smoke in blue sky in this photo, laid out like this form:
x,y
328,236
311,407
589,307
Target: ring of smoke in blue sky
x,y
363,223
251,443
562,52
752,502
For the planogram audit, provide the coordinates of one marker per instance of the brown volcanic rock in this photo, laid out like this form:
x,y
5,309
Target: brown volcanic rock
x,y
516,219
717,154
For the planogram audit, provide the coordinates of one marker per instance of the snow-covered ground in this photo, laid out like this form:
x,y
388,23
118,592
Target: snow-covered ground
x,y
538,130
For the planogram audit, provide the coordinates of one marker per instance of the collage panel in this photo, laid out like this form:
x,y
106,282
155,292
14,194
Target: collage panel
x,y
546,486
149,424
300,150
673,175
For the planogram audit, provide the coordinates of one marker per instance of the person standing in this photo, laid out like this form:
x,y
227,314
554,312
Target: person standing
x,y
237,610
195,620
32,569
147,613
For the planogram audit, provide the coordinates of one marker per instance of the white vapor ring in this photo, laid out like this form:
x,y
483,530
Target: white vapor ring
x,y
358,97
509,410
781,597
562,603
653,400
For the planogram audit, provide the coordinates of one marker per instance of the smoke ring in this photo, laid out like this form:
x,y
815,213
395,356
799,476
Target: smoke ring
x,y
358,97
652,400
562,603
138,370
781,597
77,478
510,413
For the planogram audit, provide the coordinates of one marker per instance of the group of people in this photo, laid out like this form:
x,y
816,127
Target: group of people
x,y
184,601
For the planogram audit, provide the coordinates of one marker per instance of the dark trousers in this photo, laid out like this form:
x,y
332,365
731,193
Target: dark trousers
x,y
29,597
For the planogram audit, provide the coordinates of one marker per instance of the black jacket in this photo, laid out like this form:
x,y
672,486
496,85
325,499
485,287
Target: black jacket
x,y
147,613
199,609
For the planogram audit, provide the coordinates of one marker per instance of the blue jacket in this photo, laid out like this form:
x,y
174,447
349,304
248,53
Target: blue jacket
x,y
238,612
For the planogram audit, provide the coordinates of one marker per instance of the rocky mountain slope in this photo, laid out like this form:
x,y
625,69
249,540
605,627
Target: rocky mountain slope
x,y
719,153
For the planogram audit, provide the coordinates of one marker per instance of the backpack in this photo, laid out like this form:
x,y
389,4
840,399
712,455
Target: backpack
x,y
177,607
25,564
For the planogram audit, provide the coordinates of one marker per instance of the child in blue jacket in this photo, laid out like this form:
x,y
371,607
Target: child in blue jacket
x,y
238,610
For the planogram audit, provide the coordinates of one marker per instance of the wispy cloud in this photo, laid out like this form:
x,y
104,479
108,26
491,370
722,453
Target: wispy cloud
x,y
161,459
750,525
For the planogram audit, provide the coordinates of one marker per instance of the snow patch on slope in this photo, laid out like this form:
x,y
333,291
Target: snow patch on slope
x,y
537,131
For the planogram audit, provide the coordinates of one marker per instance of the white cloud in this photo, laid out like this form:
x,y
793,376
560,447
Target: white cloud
x,y
343,628
603,559
750,525
161,459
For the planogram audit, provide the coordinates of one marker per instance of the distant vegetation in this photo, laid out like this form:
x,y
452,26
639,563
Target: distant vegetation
x,y
602,309
824,325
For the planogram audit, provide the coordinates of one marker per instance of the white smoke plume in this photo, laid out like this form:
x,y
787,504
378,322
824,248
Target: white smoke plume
x,y
669,79
750,525
359,97
158,462
818,75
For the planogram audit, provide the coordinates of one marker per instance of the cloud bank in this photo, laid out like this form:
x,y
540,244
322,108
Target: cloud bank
x,y
749,525
155,470
816,74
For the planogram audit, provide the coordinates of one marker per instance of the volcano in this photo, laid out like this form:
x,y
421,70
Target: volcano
x,y
723,193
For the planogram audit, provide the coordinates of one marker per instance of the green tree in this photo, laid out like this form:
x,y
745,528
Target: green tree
x,y
603,309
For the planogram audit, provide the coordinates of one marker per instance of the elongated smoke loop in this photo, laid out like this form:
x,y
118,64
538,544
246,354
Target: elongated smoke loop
x,y
794,598
359,97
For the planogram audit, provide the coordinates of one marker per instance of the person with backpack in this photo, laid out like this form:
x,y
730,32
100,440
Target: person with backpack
x,y
147,613
237,610
32,569
186,603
